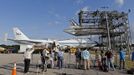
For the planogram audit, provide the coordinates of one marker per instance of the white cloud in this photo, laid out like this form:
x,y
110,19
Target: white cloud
x,y
119,2
54,14
57,15
54,23
50,23
57,22
86,8
80,1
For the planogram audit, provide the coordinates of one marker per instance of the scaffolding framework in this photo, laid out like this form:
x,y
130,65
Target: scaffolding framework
x,y
112,27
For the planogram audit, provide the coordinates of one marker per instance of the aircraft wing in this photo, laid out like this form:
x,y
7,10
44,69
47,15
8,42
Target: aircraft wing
x,y
25,41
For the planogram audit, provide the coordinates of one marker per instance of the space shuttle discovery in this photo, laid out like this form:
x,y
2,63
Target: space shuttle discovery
x,y
24,41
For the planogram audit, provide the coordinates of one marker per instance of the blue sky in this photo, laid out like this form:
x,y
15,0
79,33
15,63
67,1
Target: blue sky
x,y
48,18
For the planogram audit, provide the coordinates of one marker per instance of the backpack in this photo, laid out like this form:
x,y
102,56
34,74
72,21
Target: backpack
x,y
131,71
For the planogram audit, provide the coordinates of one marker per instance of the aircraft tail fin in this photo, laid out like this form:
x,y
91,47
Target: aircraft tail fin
x,y
19,35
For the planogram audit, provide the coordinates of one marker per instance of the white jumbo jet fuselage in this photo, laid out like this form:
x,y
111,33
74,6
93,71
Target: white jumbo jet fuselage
x,y
24,41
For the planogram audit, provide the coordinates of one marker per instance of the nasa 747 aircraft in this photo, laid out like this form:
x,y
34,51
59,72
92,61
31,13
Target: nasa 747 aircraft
x,y
24,41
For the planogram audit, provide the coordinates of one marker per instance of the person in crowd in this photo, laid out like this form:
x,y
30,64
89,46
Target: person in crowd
x,y
109,56
97,59
122,58
53,45
44,58
52,58
55,58
103,58
78,58
103,62
86,57
93,60
60,56
132,56
27,58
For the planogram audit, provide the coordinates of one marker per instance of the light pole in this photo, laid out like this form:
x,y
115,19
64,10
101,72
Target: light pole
x,y
108,31
129,39
107,26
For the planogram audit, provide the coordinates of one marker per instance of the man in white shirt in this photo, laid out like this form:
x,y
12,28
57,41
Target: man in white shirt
x,y
27,58
86,57
44,58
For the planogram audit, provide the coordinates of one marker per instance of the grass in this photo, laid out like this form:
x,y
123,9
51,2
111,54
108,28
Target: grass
x,y
128,63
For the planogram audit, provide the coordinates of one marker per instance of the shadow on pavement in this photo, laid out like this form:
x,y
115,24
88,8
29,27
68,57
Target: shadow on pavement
x,y
57,73
19,67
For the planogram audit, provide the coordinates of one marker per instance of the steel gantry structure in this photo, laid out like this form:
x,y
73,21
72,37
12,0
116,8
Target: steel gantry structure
x,y
112,27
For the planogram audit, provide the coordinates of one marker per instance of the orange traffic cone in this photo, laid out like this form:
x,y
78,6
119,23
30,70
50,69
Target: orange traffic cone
x,y
14,69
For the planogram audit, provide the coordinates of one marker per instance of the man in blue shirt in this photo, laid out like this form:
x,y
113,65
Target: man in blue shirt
x,y
133,56
122,58
85,56
60,58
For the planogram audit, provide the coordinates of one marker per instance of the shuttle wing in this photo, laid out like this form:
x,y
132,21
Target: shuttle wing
x,y
25,41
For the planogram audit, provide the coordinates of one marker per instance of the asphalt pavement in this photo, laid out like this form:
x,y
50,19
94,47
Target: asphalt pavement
x,y
7,62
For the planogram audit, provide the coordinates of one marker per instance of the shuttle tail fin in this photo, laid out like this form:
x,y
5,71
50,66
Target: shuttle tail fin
x,y
19,35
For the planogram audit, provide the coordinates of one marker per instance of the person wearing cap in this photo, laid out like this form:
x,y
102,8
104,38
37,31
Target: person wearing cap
x,y
122,58
109,56
27,58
